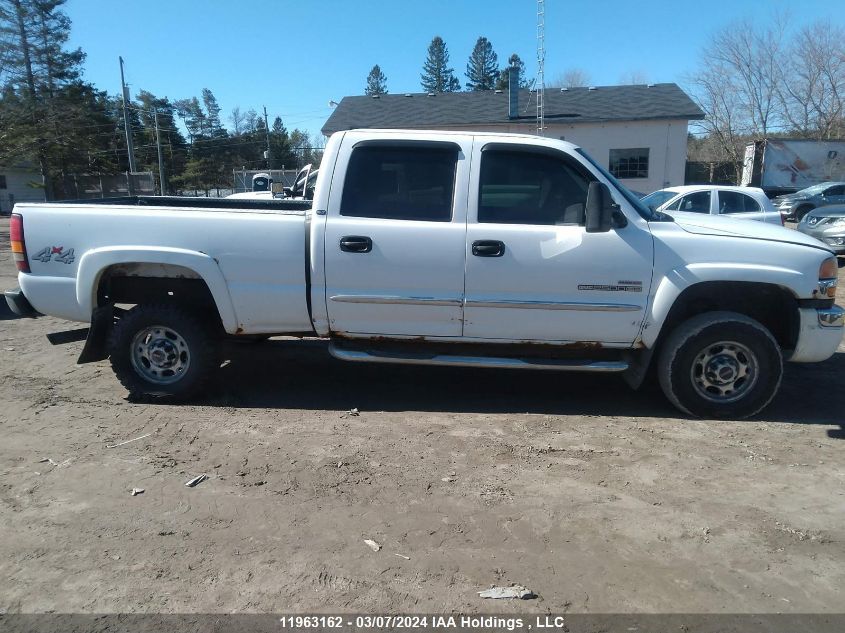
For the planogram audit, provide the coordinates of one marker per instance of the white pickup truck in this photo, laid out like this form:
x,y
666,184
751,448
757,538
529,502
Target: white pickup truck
x,y
445,248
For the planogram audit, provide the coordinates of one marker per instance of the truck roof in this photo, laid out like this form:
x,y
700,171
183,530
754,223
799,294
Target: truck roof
x,y
513,136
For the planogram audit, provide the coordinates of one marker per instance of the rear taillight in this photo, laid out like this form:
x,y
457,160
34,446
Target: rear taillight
x,y
18,242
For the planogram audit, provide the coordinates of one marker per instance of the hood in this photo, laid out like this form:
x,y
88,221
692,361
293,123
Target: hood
x,y
830,211
702,224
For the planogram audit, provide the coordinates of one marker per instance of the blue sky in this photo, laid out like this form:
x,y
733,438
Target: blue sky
x,y
294,57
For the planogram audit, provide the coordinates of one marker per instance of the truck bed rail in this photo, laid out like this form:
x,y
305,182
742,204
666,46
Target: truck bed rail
x,y
198,202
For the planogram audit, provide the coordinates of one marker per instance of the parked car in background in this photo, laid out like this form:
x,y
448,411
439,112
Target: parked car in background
x,y
826,224
799,204
747,203
255,195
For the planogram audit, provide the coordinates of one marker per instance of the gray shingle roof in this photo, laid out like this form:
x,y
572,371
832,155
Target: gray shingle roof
x,y
575,105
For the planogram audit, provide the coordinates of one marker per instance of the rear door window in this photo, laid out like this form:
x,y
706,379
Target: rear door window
x,y
735,202
400,182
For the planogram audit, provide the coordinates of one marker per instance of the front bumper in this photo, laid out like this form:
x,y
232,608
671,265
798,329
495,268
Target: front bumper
x,y
832,237
787,209
820,334
19,304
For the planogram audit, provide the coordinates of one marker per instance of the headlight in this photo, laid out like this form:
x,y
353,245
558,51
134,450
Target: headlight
x,y
827,277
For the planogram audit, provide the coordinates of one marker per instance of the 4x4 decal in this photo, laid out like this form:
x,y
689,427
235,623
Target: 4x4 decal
x,y
61,255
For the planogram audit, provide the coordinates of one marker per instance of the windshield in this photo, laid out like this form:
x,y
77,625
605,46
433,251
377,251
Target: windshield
x,y
811,191
658,198
635,202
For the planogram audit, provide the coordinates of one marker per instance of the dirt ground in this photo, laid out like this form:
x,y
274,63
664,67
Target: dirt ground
x,y
597,498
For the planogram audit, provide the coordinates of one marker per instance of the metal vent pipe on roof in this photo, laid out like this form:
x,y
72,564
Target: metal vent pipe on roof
x,y
513,92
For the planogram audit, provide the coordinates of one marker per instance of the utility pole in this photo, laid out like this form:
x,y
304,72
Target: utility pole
x,y
160,162
267,132
129,146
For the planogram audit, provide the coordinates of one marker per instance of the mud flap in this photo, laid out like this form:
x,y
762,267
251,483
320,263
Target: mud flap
x,y
102,321
638,366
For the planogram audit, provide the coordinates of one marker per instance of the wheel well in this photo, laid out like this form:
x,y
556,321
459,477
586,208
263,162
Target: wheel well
x,y
775,307
157,283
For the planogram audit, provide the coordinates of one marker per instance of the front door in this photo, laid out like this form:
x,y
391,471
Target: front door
x,y
533,272
394,239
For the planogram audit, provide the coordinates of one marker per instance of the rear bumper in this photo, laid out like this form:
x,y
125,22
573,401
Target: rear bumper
x,y
820,334
19,304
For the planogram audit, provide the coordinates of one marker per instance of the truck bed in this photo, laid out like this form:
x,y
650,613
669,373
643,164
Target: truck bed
x,y
250,253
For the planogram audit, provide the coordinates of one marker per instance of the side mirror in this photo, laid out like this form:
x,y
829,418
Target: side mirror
x,y
600,208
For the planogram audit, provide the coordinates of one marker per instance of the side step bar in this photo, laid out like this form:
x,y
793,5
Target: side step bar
x,y
477,361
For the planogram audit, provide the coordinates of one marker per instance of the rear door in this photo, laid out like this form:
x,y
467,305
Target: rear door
x,y
742,206
394,241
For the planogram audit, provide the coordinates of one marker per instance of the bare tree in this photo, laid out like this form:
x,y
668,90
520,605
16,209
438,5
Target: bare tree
x,y
718,94
237,118
813,93
571,78
751,59
251,120
634,77
739,84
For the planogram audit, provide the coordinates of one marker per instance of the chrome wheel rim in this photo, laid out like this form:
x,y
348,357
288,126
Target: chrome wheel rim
x,y
724,372
160,355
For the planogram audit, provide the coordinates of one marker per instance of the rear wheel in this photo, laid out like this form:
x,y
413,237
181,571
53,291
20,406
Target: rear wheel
x,y
720,365
162,352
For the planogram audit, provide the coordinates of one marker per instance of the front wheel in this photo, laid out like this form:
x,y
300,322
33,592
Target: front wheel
x,y
801,212
720,365
162,352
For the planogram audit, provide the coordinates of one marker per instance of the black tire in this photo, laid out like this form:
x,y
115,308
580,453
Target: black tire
x,y
800,212
172,335
751,356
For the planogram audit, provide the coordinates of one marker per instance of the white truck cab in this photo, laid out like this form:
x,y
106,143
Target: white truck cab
x,y
449,248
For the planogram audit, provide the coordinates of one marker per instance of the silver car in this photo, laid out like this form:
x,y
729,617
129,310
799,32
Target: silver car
x,y
747,203
828,225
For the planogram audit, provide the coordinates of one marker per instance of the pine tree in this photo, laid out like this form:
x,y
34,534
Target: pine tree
x,y
48,115
173,144
280,145
482,68
376,82
212,114
504,75
436,75
192,116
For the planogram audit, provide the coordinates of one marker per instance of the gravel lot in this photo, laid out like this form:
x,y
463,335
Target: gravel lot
x,y
597,498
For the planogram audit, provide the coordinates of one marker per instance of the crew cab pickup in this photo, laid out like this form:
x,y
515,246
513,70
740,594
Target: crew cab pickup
x,y
444,248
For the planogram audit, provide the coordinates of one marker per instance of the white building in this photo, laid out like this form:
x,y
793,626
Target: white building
x,y
639,133
19,184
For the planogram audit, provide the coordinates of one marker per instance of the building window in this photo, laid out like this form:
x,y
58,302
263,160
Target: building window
x,y
2,181
629,163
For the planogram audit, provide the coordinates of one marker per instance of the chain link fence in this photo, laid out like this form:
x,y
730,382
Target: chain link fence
x,y
138,183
